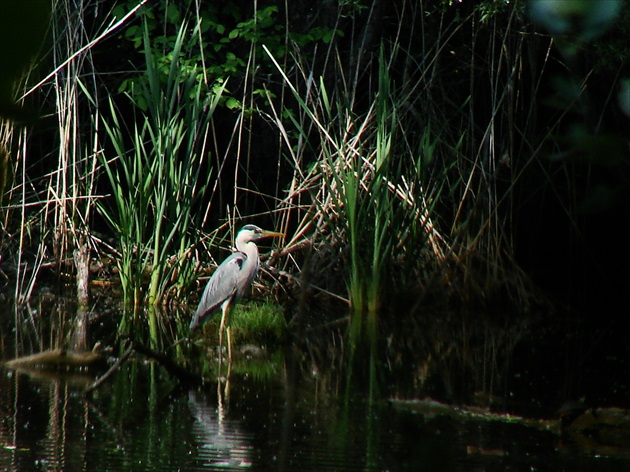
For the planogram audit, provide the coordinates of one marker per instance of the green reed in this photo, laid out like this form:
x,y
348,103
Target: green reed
x,y
158,171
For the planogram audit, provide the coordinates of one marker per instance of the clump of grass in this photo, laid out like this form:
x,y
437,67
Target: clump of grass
x,y
253,323
256,329
258,323
369,204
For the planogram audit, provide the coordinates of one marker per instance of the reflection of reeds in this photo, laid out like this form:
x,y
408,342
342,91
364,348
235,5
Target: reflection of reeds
x,y
157,177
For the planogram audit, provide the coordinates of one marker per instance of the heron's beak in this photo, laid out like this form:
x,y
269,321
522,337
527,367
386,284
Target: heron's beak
x,y
272,234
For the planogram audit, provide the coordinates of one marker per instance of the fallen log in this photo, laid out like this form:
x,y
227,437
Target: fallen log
x,y
57,359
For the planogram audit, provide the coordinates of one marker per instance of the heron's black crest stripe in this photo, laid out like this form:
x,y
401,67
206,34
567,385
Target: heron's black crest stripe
x,y
253,228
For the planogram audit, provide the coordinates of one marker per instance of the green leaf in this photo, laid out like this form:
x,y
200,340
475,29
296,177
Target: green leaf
x,y
232,103
172,13
327,38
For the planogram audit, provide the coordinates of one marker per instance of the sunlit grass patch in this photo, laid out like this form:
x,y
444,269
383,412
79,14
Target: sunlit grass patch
x,y
258,323
252,323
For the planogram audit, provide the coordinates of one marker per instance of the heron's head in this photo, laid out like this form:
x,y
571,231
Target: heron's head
x,y
254,233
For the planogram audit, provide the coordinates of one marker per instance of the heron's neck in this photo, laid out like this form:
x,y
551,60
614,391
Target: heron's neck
x,y
249,269
249,248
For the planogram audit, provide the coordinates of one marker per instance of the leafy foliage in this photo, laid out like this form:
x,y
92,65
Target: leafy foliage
x,y
229,46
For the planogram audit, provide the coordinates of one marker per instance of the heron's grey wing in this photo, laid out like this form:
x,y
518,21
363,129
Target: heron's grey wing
x,y
222,286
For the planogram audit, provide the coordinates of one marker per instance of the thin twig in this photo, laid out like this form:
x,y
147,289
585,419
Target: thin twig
x,y
171,366
97,383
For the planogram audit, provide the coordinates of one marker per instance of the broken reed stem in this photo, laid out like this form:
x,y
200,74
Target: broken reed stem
x,y
98,382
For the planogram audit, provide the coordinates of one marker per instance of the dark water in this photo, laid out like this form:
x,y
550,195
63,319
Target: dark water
x,y
294,419
138,423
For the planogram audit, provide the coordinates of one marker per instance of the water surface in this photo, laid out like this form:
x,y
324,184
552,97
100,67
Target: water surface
x,y
291,419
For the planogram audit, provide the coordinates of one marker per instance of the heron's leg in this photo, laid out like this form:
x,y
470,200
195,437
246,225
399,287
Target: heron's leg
x,y
224,309
229,336
226,390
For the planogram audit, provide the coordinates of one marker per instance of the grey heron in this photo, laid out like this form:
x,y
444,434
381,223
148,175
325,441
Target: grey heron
x,y
231,281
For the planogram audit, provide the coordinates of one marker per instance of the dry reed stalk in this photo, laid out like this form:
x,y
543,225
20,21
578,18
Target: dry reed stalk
x,y
63,198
